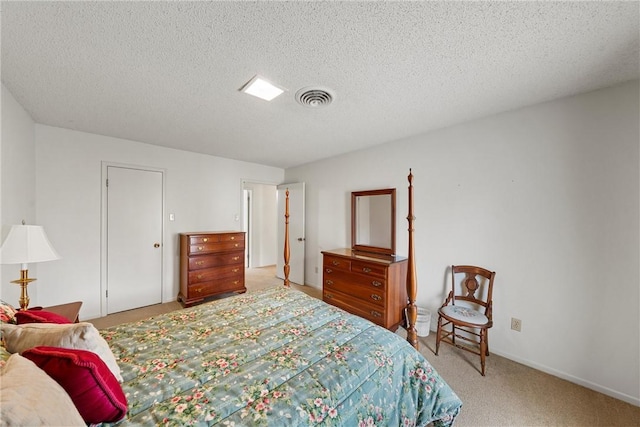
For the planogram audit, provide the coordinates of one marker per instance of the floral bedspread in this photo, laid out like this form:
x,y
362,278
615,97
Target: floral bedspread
x,y
274,357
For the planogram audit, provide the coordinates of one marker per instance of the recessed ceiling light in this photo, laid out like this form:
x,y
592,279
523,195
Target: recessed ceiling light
x,y
261,88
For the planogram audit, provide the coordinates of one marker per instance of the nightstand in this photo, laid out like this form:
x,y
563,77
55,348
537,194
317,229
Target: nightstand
x,y
70,310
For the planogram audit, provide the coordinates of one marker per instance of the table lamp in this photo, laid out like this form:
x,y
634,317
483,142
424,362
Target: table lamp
x,y
26,244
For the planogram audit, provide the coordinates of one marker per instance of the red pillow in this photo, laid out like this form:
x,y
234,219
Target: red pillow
x,y
86,379
39,316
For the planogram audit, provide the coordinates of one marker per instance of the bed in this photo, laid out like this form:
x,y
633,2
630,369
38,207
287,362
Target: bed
x,y
275,357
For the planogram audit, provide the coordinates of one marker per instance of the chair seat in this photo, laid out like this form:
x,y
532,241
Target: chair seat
x,y
465,314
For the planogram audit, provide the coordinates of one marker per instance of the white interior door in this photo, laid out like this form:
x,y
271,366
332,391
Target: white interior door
x,y
134,238
296,231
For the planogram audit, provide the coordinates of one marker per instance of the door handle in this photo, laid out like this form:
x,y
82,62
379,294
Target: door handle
x,y
156,245
300,239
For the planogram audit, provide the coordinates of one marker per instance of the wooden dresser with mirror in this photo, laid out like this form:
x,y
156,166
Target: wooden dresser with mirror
x,y
368,279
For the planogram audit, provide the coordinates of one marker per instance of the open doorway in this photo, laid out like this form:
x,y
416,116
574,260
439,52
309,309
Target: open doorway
x,y
247,195
260,223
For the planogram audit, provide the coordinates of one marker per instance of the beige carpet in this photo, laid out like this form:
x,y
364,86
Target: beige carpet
x,y
510,394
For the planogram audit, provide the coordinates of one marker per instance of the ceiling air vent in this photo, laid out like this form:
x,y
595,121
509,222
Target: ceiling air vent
x,y
314,97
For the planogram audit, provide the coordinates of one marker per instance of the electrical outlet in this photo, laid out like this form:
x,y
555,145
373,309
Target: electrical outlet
x,y
516,324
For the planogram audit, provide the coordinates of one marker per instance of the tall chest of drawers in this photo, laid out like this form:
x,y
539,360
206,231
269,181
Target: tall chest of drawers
x,y
367,286
211,263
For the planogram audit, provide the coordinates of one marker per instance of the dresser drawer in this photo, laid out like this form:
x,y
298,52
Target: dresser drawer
x,y
232,237
336,263
369,268
207,274
214,260
212,247
368,311
207,238
229,284
337,276
363,293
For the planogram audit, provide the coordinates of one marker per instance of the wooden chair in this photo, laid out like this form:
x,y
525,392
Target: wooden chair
x,y
468,309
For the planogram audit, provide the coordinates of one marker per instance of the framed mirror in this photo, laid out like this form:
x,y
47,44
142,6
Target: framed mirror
x,y
373,221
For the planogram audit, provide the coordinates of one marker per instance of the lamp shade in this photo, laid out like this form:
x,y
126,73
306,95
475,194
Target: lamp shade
x,y
26,244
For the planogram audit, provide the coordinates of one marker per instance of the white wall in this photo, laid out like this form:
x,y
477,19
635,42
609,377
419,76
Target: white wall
x,y
547,196
18,183
203,192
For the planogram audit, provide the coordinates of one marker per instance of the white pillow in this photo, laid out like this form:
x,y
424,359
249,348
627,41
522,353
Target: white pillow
x,y
82,336
29,397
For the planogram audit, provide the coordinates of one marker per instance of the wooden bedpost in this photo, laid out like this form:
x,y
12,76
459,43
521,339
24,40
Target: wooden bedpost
x,y
287,250
412,310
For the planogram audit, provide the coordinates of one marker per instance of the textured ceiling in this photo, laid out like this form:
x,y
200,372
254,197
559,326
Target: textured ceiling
x,y
168,73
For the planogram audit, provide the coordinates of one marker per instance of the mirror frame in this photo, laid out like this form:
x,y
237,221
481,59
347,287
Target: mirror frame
x,y
392,227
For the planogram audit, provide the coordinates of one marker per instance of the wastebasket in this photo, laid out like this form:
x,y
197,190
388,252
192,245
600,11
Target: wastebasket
x,y
423,322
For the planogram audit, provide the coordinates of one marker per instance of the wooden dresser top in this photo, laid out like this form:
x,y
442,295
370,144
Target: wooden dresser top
x,y
365,256
189,233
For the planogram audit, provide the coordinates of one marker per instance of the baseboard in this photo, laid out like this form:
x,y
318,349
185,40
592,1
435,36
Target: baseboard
x,y
573,379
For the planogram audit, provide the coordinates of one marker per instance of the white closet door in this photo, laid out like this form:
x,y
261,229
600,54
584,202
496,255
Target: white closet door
x,y
134,238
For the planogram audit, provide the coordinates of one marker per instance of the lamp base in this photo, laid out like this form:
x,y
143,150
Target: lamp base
x,y
23,281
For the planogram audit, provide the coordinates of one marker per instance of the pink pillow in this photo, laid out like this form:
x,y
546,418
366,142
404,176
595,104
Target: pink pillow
x,y
40,316
92,387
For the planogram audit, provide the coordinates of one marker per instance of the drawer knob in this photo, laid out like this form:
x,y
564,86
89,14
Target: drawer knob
x,y
376,297
235,258
366,269
200,248
328,282
328,296
199,290
233,237
199,262
376,283
235,282
236,245
376,313
328,270
205,240
199,276
235,270
335,262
